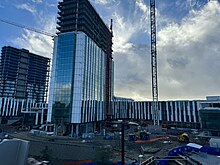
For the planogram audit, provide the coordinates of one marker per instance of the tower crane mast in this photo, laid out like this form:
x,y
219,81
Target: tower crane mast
x,y
27,27
155,105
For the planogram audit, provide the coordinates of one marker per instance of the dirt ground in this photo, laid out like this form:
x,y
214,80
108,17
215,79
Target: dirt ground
x,y
63,150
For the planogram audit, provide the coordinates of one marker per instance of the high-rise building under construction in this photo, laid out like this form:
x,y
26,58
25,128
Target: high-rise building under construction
x,y
23,75
81,78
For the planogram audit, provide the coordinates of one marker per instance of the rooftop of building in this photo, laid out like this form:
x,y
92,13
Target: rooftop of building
x,y
74,16
25,51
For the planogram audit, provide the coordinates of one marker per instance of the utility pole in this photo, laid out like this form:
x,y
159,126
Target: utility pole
x,y
123,124
123,143
155,106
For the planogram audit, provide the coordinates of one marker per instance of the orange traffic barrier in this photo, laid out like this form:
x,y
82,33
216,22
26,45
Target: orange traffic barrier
x,y
151,140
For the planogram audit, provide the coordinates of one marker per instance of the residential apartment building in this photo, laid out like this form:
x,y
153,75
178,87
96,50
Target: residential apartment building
x,y
23,80
23,75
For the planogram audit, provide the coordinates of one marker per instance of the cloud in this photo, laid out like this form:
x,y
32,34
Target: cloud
x,y
190,4
132,69
103,2
36,42
188,49
128,24
142,6
189,55
131,49
27,7
37,1
52,5
130,45
196,3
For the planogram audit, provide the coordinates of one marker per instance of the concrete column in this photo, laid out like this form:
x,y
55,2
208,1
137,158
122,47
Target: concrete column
x,y
94,127
7,103
77,130
189,113
176,117
86,127
145,111
1,106
194,111
55,129
148,111
172,111
139,159
72,131
167,109
160,110
42,116
36,119
184,111
104,132
180,112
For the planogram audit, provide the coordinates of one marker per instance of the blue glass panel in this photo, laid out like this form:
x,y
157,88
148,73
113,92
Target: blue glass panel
x,y
63,77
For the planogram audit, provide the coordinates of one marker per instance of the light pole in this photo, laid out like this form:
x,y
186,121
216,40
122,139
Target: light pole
x,y
123,123
122,143
139,159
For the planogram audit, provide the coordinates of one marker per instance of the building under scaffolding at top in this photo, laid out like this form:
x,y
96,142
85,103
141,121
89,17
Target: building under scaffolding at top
x,y
24,80
81,78
23,75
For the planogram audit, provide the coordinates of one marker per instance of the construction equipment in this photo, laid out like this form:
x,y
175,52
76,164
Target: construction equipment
x,y
144,135
155,106
184,138
27,28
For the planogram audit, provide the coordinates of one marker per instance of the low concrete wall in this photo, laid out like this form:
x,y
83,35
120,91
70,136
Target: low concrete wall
x,y
13,152
62,151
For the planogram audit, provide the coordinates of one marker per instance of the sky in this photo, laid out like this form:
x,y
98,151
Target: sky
x,y
188,43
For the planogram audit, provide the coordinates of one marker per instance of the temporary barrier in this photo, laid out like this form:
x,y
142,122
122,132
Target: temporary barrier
x,y
184,149
148,161
14,151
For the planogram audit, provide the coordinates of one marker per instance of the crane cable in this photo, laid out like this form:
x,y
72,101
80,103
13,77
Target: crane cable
x,y
28,28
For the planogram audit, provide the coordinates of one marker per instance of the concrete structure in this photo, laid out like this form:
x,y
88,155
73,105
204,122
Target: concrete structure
x,y
81,79
23,84
23,111
13,152
209,112
214,142
178,113
120,107
81,84
23,75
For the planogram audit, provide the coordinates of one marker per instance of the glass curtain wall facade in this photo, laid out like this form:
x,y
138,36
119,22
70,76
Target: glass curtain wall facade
x,y
209,112
77,89
209,118
81,82
81,16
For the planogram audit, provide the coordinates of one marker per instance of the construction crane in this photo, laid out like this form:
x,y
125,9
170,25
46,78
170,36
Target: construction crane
x,y
155,105
27,27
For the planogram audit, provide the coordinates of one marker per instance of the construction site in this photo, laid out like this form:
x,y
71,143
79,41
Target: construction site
x,y
93,131
139,146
